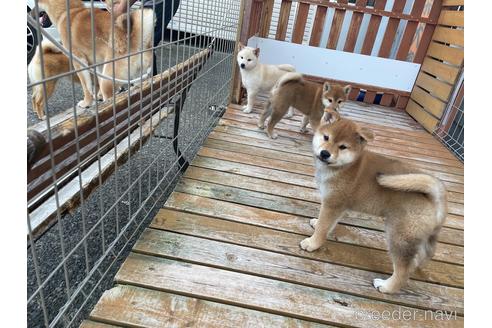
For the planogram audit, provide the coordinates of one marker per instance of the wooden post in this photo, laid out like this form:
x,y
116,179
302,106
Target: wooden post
x,y
241,35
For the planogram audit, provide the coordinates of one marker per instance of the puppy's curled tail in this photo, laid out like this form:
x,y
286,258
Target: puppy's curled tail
x,y
419,182
287,67
286,78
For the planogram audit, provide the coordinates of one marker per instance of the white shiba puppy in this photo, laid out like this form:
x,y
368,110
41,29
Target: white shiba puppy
x,y
257,77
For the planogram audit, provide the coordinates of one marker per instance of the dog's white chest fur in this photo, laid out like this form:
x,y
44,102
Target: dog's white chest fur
x,y
323,177
252,79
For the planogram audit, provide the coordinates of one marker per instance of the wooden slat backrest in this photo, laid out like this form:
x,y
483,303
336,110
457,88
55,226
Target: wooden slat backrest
x,y
283,19
336,26
353,32
372,29
348,34
442,65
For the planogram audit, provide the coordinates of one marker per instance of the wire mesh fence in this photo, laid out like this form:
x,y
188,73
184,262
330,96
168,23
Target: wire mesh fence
x,y
450,130
100,170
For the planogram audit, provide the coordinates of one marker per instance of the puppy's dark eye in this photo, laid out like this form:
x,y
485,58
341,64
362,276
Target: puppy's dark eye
x,y
330,100
242,57
339,101
326,137
249,59
342,147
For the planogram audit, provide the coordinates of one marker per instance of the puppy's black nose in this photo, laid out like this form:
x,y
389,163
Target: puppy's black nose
x,y
324,154
243,66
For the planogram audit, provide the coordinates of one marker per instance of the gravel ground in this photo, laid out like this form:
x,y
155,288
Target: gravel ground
x,y
128,200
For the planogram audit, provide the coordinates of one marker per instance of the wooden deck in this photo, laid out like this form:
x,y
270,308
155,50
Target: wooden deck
x,y
224,252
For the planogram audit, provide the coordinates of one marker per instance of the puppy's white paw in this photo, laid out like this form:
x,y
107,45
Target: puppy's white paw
x,y
303,129
274,135
309,245
84,104
247,109
289,114
313,222
261,125
382,286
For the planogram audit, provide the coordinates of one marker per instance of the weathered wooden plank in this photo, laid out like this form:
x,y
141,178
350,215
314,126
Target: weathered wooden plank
x,y
288,222
431,104
435,86
410,29
336,27
369,97
204,170
298,207
446,172
240,147
271,180
93,324
260,161
300,23
372,30
425,140
449,35
305,145
228,163
445,72
266,18
354,28
255,292
319,21
360,119
389,34
283,20
449,54
386,99
141,307
426,36
453,2
270,144
452,18
293,269
424,118
288,243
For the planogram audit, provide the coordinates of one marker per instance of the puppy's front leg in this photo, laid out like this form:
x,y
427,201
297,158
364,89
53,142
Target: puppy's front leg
x,y
251,101
328,218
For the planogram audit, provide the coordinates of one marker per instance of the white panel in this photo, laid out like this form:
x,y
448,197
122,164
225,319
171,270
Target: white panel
x,y
339,65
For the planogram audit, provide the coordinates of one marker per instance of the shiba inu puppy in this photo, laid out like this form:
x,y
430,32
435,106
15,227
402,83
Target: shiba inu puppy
x,y
141,30
257,77
414,204
310,98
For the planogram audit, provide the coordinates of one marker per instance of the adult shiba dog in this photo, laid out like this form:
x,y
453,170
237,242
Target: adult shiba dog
x,y
257,77
79,18
349,177
55,63
310,98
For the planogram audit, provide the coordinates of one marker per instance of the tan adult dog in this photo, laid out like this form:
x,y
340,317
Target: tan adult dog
x,y
349,177
81,39
310,98
55,63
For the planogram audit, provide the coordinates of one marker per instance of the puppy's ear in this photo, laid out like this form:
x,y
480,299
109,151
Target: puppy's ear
x,y
365,135
326,86
347,89
257,52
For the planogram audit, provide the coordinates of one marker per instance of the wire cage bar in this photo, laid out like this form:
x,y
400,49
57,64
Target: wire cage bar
x,y
451,128
98,174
